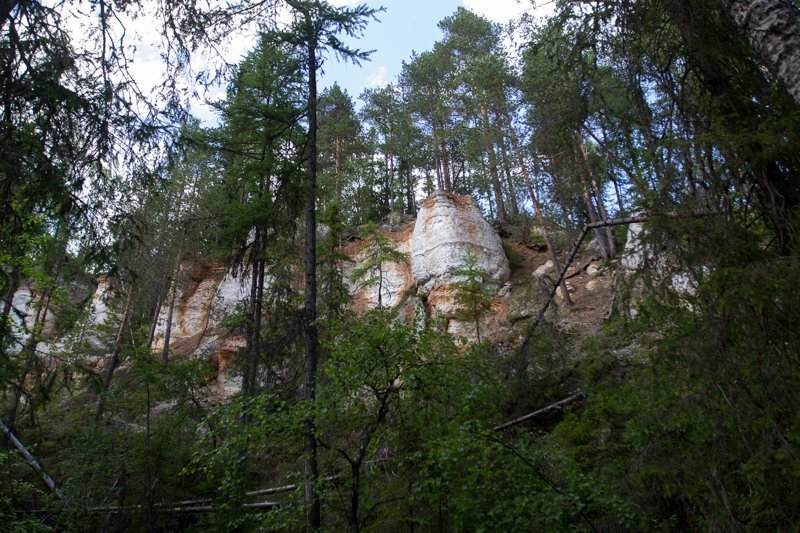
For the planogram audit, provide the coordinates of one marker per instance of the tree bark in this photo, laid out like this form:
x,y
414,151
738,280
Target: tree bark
x,y
31,460
253,328
173,296
539,217
310,467
593,217
113,361
495,180
448,183
772,27
612,247
509,181
157,312
337,170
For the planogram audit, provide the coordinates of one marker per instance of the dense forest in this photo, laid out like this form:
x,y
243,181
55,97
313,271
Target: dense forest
x,y
679,411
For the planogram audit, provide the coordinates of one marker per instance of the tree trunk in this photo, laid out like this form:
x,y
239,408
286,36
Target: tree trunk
x,y
6,7
448,182
29,349
338,170
173,296
31,460
509,181
539,217
498,194
410,197
38,325
776,187
113,361
253,329
592,212
8,299
156,312
355,489
772,27
310,467
612,247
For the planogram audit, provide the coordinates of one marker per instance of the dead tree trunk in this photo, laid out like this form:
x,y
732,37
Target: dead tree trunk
x,y
114,359
31,460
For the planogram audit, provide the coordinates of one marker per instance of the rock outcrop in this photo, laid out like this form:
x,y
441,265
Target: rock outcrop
x,y
449,229
396,277
26,306
420,283
641,258
202,303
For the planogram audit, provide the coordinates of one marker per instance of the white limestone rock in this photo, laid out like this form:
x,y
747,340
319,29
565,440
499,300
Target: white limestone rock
x,y
661,265
201,305
544,269
634,254
449,228
396,278
570,289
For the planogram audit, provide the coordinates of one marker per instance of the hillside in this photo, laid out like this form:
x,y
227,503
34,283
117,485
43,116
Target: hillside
x,y
534,273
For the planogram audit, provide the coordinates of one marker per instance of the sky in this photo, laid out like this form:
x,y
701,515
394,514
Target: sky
x,y
407,26
404,27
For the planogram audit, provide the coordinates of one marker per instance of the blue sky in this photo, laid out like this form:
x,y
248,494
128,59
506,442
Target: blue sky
x,y
406,26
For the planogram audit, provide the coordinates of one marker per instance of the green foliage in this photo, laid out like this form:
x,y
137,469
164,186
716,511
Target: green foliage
x,y
15,491
393,390
710,420
473,292
378,250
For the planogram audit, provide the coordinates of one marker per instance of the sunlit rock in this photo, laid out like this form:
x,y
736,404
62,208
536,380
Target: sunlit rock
x,y
448,231
394,281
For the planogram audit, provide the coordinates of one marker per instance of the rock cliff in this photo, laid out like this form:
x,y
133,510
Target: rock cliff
x,y
448,229
420,283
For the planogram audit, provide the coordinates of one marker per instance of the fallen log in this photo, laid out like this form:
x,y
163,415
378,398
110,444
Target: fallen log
x,y
539,412
31,460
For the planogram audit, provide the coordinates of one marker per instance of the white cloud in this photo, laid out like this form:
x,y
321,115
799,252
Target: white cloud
x,y
378,78
504,10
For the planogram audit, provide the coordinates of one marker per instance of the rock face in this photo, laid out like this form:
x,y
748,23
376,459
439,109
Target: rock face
x,y
420,286
638,257
25,306
211,294
397,278
449,228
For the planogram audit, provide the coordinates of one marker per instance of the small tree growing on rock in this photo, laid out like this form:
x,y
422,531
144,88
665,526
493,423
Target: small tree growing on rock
x,y
379,250
473,294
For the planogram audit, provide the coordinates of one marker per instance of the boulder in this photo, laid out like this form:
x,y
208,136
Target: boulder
x,y
449,229
543,269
